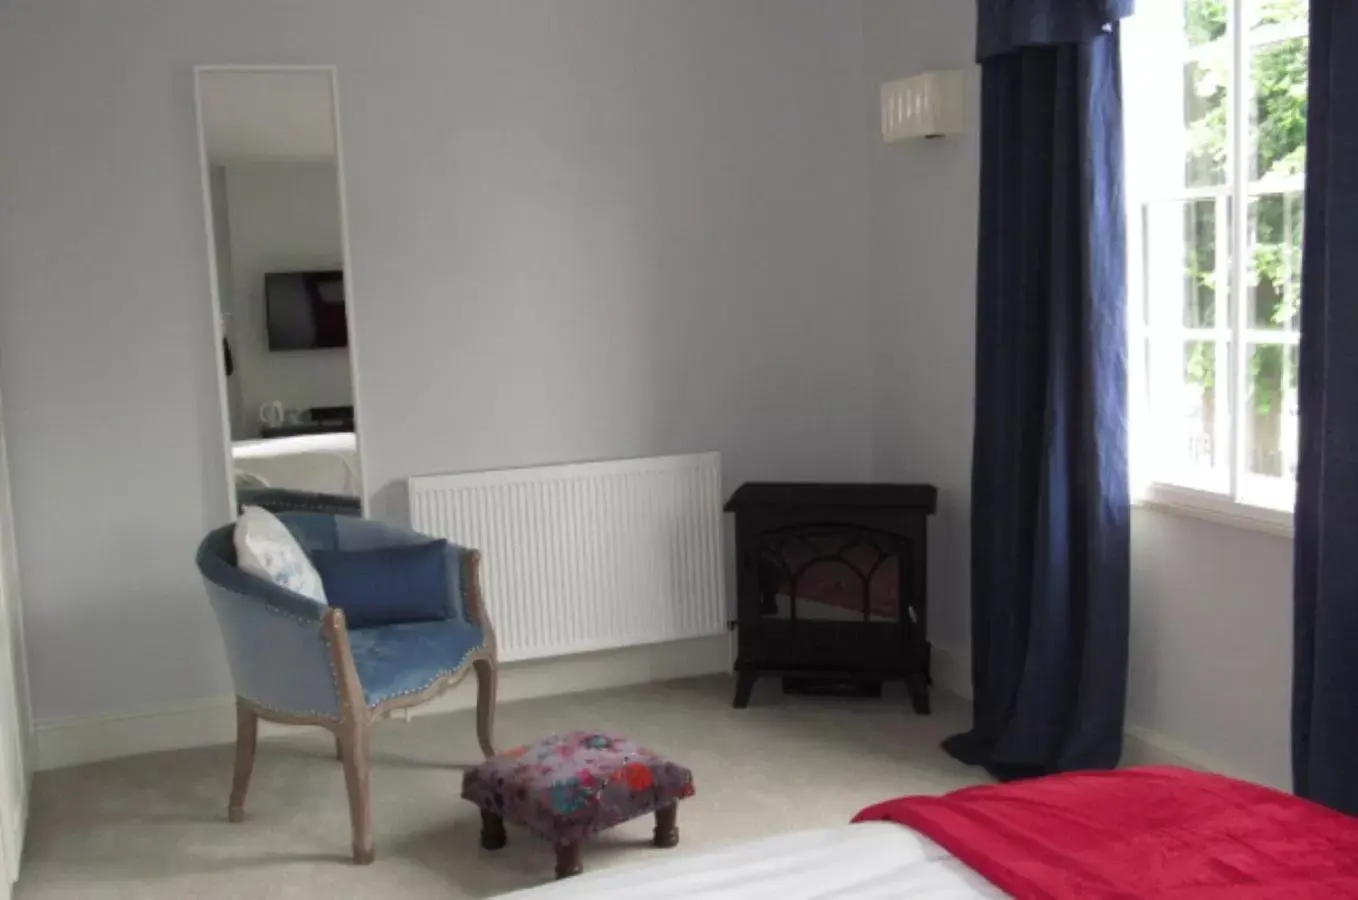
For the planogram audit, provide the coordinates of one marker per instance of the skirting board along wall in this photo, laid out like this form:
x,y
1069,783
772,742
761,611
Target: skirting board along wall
x,y
72,742
1141,746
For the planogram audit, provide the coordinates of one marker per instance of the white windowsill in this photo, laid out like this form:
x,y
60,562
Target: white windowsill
x,y
1214,508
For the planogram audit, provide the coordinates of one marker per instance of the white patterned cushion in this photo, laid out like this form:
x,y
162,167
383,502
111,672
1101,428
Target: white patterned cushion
x,y
266,548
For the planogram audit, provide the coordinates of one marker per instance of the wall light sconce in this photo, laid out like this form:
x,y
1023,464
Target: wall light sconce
x,y
930,105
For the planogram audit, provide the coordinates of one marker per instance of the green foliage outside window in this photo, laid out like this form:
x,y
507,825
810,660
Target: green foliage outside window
x,y
1279,81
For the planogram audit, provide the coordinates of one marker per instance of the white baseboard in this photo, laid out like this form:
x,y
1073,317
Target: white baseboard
x,y
1140,746
1144,747
951,670
71,742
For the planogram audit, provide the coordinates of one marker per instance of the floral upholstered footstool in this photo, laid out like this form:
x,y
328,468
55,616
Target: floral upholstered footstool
x,y
567,787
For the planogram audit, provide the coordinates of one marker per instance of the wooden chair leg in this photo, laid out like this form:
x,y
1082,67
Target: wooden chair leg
x,y
568,861
247,736
486,680
357,757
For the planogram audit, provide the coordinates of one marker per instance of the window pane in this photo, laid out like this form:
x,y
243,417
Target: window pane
x,y
1216,407
1206,81
1178,65
1205,21
1271,412
1278,126
1182,269
1189,419
1274,12
1274,283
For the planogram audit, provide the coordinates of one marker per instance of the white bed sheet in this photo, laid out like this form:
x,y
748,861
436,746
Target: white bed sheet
x,y
323,463
870,861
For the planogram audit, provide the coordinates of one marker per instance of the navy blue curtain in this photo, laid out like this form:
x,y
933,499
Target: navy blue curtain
x,y
1050,512
1003,26
1325,582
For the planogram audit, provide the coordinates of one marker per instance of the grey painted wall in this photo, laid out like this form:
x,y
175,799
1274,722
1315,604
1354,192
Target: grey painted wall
x,y
600,229
645,230
924,202
1211,642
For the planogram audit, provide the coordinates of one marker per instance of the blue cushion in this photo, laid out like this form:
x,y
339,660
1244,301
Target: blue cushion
x,y
314,531
386,585
405,659
365,534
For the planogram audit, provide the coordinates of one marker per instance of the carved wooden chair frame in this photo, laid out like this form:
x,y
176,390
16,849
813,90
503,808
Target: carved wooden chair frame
x,y
353,728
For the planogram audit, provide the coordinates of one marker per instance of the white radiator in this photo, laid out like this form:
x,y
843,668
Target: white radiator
x,y
590,556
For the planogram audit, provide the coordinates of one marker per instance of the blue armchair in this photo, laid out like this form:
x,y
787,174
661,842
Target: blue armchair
x,y
294,660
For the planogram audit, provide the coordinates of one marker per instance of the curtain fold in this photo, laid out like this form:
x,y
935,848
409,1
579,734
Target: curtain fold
x,y
1003,26
1050,508
1325,576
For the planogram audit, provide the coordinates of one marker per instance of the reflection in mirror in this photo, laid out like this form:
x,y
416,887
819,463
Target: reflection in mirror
x,y
277,235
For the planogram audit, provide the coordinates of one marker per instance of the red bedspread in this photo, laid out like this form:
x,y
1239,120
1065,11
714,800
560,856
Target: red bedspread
x,y
1150,832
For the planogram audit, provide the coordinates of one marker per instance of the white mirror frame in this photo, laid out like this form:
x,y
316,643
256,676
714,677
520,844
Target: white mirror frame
x,y
209,232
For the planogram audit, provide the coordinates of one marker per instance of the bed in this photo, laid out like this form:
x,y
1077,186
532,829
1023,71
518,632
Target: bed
x,y
1147,832
313,463
872,861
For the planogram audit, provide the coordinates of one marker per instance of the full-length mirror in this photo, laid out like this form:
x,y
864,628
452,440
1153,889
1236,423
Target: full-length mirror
x,y
276,232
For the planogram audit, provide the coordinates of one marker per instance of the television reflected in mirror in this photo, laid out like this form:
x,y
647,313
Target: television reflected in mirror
x,y
305,310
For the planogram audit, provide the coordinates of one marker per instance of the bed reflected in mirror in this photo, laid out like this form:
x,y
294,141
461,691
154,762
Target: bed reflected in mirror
x,y
271,170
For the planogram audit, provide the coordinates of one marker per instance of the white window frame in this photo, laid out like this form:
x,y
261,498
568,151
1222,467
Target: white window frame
x,y
1238,502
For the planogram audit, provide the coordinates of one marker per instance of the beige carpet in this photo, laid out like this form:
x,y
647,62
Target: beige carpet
x,y
155,826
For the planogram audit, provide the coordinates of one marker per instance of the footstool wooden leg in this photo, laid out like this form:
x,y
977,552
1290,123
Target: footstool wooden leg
x,y
568,860
493,835
666,831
